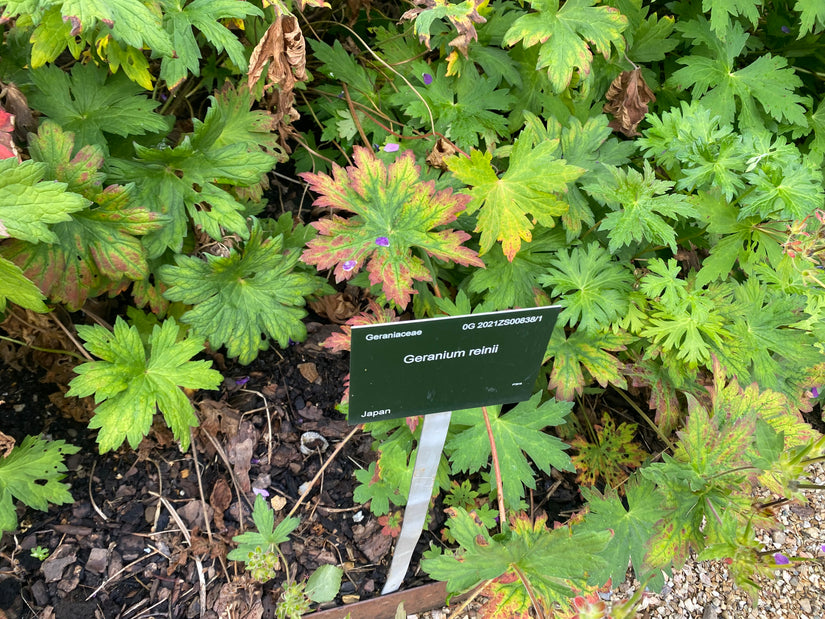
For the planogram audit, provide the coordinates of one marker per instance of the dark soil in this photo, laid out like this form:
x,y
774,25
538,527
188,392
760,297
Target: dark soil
x,y
113,553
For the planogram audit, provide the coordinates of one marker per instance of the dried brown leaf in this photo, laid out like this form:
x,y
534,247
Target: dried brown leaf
x,y
6,445
282,51
627,100
443,148
337,308
220,500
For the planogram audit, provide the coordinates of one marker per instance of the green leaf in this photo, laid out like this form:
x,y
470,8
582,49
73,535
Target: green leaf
x,y
97,251
267,537
387,480
240,297
394,212
324,583
592,287
131,21
515,283
225,149
526,193
17,288
584,350
90,102
31,473
566,36
181,17
132,381
640,204
516,433
721,12
463,108
811,16
27,203
553,561
632,527
766,86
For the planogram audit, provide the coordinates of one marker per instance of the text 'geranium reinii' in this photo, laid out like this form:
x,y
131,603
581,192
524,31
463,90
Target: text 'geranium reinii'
x,y
391,204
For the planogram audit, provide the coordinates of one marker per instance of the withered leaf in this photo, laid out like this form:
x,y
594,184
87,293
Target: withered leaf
x,y
443,148
282,48
6,445
464,24
627,100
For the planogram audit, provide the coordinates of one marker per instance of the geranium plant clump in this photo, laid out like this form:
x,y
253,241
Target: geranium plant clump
x,y
655,168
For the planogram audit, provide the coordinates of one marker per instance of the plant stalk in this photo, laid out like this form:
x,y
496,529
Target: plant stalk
x,y
502,515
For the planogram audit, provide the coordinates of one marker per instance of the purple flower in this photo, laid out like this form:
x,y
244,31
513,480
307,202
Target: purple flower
x,y
242,381
261,492
823,547
428,79
785,29
382,241
349,265
391,148
781,559
815,392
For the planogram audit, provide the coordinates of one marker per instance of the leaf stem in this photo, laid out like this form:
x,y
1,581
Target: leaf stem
x,y
40,349
529,588
355,120
502,516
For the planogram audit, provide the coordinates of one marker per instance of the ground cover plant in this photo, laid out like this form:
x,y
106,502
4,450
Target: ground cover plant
x,y
655,168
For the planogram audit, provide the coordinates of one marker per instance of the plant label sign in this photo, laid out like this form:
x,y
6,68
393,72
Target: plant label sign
x,y
416,367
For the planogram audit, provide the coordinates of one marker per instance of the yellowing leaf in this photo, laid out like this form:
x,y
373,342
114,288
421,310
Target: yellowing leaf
x,y
526,194
566,36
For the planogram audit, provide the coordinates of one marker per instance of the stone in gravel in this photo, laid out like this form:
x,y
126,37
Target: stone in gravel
x,y
41,596
98,558
805,604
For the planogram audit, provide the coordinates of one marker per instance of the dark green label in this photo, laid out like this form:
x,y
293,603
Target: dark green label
x,y
417,367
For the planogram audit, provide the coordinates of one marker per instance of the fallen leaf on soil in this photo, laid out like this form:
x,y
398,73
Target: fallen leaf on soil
x,y
309,372
53,567
627,100
218,417
240,599
239,450
6,444
337,308
220,500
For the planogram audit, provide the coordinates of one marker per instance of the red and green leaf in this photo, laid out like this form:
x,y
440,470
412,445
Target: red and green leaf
x,y
584,351
393,213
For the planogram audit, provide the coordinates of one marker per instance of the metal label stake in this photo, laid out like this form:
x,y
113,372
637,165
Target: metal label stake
x,y
433,435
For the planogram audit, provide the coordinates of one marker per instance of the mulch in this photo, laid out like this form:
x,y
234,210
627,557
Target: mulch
x,y
149,530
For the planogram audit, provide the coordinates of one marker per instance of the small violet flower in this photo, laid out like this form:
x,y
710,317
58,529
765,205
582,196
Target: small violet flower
x,y
391,147
815,392
382,241
242,381
785,29
781,559
260,492
349,265
823,547
428,79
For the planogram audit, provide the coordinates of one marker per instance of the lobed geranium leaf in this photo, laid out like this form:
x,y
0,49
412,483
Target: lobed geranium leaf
x,y
553,561
28,203
90,102
394,212
566,34
592,287
31,473
516,433
97,250
526,193
132,381
227,148
766,87
240,297
632,527
584,350
179,20
17,288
